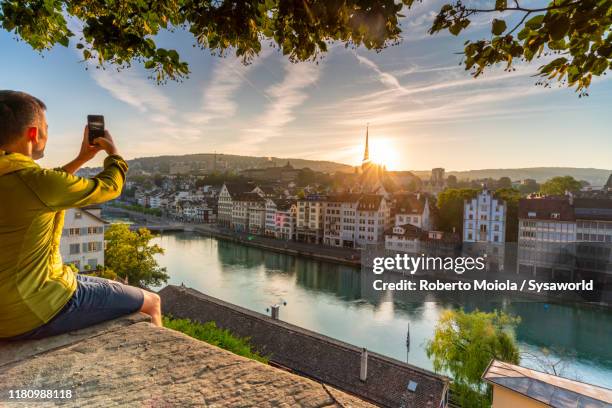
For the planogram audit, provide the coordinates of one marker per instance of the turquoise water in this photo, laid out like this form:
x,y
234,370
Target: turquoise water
x,y
339,301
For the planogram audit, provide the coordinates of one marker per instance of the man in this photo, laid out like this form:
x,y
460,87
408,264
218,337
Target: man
x,y
39,296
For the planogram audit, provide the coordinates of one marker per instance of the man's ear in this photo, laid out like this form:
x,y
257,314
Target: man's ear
x,y
33,134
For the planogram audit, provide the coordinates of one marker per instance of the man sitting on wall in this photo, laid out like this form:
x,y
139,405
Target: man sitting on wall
x,y
39,296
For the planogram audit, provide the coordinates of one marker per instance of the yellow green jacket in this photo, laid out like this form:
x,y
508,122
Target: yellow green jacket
x,y
34,283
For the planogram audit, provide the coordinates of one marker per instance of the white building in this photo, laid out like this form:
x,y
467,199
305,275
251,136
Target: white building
x,y
248,213
355,220
310,221
560,237
413,209
82,242
270,227
484,219
225,201
286,220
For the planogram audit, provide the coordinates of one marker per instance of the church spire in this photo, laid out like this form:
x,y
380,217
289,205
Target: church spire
x,y
366,153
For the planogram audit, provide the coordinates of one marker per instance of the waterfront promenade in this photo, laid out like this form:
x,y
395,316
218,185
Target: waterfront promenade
x,y
346,256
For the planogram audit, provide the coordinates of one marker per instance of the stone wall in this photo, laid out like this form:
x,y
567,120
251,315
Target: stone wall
x,y
312,354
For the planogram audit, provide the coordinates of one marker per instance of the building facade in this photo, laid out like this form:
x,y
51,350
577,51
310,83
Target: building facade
x,y
484,219
311,218
82,242
225,206
356,220
413,209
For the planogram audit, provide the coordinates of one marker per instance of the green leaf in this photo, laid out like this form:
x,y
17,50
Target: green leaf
x,y
501,4
535,22
149,64
498,26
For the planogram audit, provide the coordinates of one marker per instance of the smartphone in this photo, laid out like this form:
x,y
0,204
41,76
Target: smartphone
x,y
95,125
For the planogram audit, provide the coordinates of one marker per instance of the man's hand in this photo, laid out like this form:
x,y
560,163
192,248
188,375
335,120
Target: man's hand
x,y
89,151
106,143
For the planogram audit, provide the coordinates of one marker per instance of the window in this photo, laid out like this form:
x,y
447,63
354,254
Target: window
x,y
555,216
78,215
531,214
74,249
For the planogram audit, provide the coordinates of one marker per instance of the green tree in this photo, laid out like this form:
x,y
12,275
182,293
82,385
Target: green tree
x,y
465,343
450,205
576,31
131,255
511,196
504,182
559,185
529,186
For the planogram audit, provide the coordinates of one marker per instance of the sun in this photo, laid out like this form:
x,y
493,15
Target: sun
x,y
384,152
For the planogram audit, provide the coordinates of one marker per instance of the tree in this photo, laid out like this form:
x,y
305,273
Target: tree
x,y
560,185
450,205
121,35
131,256
504,182
465,343
529,186
577,31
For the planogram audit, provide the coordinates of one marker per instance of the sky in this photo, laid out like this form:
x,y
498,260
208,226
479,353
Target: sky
x,y
424,110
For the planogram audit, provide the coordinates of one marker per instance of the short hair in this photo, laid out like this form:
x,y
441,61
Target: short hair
x,y
18,112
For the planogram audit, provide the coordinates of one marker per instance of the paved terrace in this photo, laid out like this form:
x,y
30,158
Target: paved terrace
x,y
130,363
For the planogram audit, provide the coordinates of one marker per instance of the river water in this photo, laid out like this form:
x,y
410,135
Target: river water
x,y
339,301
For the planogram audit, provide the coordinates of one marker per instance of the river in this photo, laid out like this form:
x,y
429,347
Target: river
x,y
339,301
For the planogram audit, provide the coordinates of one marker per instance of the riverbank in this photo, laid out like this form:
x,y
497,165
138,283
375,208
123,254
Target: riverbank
x,y
344,256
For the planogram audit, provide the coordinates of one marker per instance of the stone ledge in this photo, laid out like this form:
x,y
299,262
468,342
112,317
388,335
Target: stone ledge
x,y
21,350
129,362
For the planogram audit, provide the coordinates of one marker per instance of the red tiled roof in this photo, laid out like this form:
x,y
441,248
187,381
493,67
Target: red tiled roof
x,y
546,208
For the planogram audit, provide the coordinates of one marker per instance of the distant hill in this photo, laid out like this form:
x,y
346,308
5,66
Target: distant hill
x,y
597,177
230,162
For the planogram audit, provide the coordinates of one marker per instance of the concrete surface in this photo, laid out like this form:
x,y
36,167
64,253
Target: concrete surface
x,y
131,363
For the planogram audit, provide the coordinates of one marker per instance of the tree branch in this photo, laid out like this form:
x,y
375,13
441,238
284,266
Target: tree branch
x,y
528,10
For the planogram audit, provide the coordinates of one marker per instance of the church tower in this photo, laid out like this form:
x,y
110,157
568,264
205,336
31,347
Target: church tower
x,y
366,154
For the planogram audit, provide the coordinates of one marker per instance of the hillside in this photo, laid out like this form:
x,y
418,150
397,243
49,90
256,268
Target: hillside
x,y
597,177
222,162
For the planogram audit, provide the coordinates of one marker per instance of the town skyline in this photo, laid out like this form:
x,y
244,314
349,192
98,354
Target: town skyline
x,y
424,110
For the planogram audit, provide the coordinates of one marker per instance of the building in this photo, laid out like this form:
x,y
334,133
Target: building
x,y
436,183
270,223
356,220
484,219
411,239
248,213
225,201
311,218
413,209
286,219
516,386
82,242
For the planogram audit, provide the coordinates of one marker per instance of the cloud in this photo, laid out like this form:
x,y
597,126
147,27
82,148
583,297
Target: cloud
x,y
285,97
219,95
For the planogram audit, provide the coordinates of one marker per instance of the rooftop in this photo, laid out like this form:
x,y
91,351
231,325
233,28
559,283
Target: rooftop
x,y
549,389
129,362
